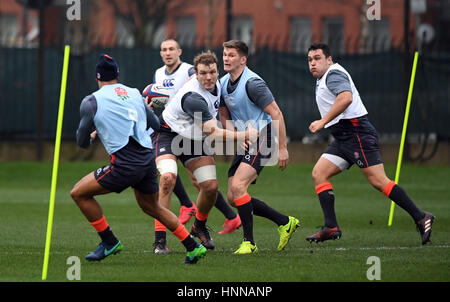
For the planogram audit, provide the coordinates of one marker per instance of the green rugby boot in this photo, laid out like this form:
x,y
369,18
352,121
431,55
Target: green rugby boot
x,y
246,247
286,232
196,254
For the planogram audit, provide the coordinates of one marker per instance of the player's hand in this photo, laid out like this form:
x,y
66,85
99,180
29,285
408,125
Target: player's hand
x,y
93,135
283,158
251,134
316,126
149,103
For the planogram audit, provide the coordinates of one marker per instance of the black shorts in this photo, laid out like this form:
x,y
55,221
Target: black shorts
x,y
166,141
116,179
356,142
258,155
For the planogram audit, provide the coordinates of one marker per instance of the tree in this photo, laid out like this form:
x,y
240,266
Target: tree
x,y
145,17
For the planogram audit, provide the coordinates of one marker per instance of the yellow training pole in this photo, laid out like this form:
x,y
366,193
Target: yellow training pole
x,y
62,98
405,125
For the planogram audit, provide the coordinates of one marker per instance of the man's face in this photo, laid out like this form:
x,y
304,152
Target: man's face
x,y
207,75
317,62
170,53
232,60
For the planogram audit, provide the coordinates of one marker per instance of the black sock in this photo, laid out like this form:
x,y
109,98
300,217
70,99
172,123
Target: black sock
x,y
108,236
181,194
223,207
189,243
260,208
246,214
200,223
160,235
399,196
326,199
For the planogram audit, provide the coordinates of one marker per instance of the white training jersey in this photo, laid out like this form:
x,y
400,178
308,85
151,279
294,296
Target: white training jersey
x,y
181,122
325,98
173,81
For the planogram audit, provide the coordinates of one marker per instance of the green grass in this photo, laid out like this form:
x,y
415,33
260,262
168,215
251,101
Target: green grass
x,y
362,214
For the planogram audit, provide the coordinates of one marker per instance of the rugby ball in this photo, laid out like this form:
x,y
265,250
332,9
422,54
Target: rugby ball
x,y
158,95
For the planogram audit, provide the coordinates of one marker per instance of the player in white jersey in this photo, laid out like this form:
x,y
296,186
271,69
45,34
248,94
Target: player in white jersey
x,y
356,142
188,119
172,76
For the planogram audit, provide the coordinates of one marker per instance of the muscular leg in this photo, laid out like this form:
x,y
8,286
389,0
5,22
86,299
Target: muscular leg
x,y
322,172
378,179
204,171
83,194
150,205
208,188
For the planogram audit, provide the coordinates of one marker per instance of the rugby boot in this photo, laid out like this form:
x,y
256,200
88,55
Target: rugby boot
x,y
246,247
325,233
424,227
286,232
203,235
186,213
104,250
231,225
160,247
193,256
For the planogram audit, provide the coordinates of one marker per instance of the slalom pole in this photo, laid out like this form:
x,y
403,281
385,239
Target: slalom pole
x,y
62,98
405,126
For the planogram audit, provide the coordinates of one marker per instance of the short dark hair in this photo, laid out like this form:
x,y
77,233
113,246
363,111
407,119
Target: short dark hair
x,y
240,46
325,49
205,58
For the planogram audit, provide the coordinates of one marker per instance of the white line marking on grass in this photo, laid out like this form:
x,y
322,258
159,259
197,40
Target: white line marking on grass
x,y
376,248
343,249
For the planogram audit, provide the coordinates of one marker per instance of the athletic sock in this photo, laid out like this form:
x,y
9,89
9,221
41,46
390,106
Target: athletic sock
x,y
326,197
223,207
104,231
260,208
181,194
185,238
399,196
245,210
200,219
160,235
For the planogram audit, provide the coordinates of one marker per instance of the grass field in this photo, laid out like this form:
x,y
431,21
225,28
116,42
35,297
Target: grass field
x,y
362,214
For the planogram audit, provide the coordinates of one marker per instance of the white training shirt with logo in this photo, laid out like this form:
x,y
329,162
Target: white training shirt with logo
x,y
181,122
174,81
325,98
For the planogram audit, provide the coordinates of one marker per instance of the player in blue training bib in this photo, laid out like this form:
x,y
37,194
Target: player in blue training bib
x,y
118,115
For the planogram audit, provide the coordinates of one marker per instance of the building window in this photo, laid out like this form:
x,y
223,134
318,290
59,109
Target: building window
x,y
333,33
242,29
9,30
379,35
185,30
300,34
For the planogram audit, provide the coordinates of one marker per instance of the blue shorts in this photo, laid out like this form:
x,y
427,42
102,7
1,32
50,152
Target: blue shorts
x,y
355,142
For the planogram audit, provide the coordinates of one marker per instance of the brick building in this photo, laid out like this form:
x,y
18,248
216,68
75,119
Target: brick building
x,y
283,24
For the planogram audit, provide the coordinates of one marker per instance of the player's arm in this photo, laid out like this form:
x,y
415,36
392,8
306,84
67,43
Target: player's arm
x,y
225,116
152,118
339,84
260,94
213,131
280,128
88,108
195,105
